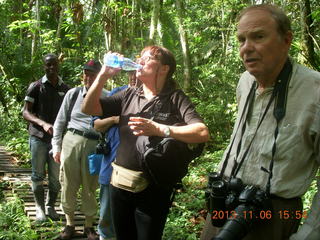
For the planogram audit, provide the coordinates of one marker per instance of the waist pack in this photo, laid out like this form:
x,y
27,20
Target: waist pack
x,y
165,161
129,180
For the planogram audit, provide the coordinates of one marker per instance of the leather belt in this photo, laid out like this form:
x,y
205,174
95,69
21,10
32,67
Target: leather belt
x,y
272,196
88,135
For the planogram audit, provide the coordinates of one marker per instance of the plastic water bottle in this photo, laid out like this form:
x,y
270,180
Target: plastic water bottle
x,y
112,60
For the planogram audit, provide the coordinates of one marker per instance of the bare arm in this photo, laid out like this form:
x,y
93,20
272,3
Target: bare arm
x,y
103,125
29,116
192,133
91,103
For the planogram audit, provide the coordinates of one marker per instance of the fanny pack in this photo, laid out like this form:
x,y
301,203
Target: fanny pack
x,y
129,180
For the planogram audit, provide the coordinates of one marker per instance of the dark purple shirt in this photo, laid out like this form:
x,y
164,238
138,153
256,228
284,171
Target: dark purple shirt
x,y
170,107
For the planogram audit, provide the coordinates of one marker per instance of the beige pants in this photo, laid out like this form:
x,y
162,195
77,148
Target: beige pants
x,y
74,173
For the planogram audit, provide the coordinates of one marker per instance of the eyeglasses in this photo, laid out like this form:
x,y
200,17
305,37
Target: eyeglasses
x,y
146,59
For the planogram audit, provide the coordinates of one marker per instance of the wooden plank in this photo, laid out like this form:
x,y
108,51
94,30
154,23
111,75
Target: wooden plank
x,y
20,185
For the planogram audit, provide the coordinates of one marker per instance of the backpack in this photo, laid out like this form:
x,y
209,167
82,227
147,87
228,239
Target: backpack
x,y
165,161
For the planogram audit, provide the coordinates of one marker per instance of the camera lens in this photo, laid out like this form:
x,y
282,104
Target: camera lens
x,y
214,176
236,185
219,188
217,202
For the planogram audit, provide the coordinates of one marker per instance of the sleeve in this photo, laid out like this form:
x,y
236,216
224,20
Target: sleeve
x,y
111,106
93,118
61,123
310,230
32,92
186,108
117,89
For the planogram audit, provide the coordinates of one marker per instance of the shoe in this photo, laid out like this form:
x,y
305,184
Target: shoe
x,y
40,215
38,192
67,232
90,233
51,200
51,212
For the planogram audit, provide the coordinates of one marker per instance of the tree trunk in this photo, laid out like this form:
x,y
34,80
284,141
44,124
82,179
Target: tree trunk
x,y
308,33
36,32
154,21
185,48
60,21
2,98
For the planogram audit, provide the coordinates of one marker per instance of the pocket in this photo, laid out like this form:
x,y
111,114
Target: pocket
x,y
287,145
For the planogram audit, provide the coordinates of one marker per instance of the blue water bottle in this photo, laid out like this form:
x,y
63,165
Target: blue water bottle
x,y
115,61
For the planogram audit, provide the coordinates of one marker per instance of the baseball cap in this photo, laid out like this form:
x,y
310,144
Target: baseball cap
x,y
92,65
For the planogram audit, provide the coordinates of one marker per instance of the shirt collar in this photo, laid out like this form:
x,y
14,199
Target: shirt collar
x,y
84,91
45,79
167,90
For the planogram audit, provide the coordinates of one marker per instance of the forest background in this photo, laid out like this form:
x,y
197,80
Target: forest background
x,y
200,33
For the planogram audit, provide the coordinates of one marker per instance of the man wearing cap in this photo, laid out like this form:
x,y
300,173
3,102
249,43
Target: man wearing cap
x,y
72,150
42,102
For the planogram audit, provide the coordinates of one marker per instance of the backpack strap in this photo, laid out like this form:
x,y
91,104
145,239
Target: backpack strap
x,y
72,102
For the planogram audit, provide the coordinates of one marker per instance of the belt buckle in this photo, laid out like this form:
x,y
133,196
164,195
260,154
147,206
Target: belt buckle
x,y
85,134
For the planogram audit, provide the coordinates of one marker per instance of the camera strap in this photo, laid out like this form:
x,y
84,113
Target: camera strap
x,y
236,166
279,112
245,109
279,93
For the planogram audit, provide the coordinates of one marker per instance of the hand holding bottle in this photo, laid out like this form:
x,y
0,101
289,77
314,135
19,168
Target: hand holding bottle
x,y
107,72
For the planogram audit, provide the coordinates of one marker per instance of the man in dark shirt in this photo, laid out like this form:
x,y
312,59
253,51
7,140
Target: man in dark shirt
x,y
42,103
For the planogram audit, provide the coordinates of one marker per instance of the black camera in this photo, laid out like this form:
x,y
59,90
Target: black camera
x,y
103,148
234,206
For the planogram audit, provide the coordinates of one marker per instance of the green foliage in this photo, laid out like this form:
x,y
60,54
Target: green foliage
x,y
80,30
13,132
214,98
14,224
186,217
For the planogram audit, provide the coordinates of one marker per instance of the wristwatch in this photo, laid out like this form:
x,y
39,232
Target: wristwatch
x,y
166,131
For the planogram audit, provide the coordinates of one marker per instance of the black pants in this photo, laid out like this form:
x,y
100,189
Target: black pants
x,y
139,216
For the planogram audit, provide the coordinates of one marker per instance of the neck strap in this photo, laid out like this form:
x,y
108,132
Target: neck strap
x,y
279,93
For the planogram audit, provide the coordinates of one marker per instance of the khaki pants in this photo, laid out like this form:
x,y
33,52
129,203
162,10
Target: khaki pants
x,y
74,173
275,229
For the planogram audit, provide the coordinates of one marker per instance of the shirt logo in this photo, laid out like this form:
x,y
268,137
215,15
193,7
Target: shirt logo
x,y
162,116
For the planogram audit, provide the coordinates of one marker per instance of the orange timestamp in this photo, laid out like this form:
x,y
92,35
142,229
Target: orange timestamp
x,y
298,214
263,214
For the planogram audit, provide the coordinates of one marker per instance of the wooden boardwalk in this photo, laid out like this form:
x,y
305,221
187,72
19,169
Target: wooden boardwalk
x,y
20,185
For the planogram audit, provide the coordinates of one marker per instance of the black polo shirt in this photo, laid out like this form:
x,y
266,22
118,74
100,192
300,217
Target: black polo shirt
x,y
171,107
46,101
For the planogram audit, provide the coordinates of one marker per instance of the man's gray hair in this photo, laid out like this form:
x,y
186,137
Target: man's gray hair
x,y
282,20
